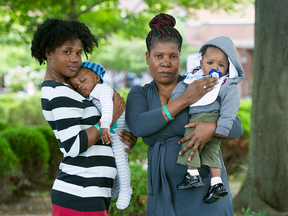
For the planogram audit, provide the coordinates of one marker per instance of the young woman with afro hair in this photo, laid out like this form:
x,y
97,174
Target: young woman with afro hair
x,y
87,171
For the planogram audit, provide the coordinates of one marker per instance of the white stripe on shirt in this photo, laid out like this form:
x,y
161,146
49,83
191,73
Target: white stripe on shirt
x,y
79,191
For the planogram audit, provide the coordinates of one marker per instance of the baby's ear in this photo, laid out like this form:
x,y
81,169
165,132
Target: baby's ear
x,y
98,80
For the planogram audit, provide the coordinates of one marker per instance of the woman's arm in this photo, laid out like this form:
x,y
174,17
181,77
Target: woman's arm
x,y
236,129
193,93
144,121
118,108
140,120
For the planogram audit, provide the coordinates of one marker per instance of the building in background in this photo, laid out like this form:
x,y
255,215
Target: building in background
x,y
205,25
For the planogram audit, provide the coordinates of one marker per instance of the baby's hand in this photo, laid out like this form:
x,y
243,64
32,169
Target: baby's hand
x,y
105,135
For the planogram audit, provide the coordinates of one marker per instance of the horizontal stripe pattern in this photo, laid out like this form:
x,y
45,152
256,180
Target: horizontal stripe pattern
x,y
91,191
82,204
95,171
85,181
86,175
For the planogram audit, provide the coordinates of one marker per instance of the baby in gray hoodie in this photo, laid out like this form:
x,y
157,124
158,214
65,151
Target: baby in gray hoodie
x,y
217,57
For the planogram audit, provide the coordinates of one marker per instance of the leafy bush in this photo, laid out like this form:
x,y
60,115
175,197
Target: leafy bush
x,y
8,98
27,112
244,114
4,125
138,202
249,212
139,151
21,110
6,102
31,147
56,155
8,159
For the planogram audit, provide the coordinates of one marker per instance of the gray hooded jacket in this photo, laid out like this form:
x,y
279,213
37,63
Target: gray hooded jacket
x,y
228,100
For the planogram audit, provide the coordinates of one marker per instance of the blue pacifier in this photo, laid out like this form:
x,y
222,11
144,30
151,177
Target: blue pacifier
x,y
215,73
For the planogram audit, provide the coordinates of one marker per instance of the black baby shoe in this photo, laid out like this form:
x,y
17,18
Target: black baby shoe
x,y
190,181
215,192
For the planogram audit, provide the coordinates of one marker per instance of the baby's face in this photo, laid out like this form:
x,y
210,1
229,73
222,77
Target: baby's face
x,y
84,81
214,58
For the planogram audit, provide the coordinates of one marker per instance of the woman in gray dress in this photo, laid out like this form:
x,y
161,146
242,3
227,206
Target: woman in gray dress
x,y
152,115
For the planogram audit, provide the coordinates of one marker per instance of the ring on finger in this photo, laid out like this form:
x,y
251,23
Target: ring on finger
x,y
204,87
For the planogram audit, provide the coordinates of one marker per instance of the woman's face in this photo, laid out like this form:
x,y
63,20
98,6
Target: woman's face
x,y
65,61
163,62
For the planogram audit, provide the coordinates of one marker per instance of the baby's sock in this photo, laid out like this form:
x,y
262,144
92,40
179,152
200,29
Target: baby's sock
x,y
193,172
216,180
121,158
124,199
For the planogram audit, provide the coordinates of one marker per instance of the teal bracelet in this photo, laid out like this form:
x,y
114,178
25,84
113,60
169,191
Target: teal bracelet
x,y
167,113
99,129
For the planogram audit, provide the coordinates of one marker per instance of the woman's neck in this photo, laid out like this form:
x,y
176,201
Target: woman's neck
x,y
165,91
55,77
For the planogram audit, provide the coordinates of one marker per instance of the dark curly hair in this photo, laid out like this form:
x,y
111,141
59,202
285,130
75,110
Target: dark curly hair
x,y
54,32
204,49
162,29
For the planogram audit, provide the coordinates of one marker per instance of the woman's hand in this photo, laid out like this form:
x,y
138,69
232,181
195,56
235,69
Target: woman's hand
x,y
202,133
129,139
118,106
200,87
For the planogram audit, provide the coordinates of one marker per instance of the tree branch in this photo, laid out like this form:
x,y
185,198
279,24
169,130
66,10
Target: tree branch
x,y
75,16
121,22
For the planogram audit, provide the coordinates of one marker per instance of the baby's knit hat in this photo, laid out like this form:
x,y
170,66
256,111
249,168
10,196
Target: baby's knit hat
x,y
98,69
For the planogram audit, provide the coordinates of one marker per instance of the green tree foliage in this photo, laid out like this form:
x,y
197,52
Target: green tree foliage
x,y
124,55
104,17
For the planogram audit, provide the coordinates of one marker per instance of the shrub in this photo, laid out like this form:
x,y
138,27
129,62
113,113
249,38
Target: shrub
x,y
6,101
249,212
21,110
138,202
27,112
31,147
8,98
139,151
244,114
56,155
8,160
4,125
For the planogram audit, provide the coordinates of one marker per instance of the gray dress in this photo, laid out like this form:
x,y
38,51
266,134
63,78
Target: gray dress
x,y
144,118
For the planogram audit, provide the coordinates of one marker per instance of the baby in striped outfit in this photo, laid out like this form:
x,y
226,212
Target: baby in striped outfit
x,y
89,83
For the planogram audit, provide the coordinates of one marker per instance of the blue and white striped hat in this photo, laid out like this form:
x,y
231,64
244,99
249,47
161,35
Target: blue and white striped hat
x,y
98,69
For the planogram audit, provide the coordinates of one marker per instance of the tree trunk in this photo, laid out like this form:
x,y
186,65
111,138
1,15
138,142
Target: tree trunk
x,y
266,185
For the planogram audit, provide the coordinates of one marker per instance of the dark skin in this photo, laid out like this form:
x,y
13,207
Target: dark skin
x,y
163,61
62,64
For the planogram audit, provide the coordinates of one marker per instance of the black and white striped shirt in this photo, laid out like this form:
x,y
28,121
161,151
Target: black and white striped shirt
x,y
86,174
